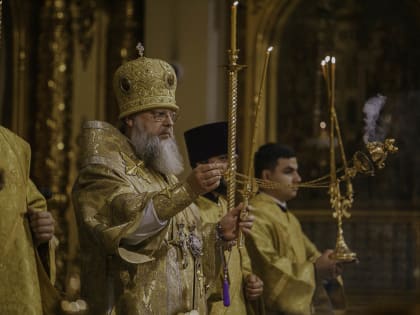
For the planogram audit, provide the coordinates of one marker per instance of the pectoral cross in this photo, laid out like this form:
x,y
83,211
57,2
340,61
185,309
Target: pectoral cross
x,y
181,242
195,245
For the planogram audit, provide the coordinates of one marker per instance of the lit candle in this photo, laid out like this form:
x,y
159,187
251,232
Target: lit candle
x,y
326,73
324,70
333,79
233,26
258,100
267,57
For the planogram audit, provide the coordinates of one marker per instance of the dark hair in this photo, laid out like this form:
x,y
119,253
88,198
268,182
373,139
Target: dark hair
x,y
122,125
267,155
206,141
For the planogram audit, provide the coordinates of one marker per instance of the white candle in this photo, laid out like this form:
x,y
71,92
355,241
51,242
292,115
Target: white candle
x,y
233,26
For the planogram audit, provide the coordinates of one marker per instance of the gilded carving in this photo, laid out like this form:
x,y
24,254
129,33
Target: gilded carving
x,y
52,136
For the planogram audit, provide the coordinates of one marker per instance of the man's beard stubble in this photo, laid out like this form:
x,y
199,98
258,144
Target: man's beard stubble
x,y
161,155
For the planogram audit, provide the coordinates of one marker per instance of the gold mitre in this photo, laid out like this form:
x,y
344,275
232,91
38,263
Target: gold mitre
x,y
144,84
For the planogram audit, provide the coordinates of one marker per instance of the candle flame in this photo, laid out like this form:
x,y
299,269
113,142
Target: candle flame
x,y
269,49
333,60
327,59
236,3
323,63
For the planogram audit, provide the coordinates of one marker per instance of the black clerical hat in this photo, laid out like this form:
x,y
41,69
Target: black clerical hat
x,y
206,141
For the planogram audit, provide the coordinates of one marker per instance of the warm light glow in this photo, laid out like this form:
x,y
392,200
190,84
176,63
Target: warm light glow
x,y
327,59
333,60
269,49
236,3
323,63
323,125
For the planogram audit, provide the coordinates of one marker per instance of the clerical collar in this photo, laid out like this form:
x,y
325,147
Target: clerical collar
x,y
282,204
215,194
211,196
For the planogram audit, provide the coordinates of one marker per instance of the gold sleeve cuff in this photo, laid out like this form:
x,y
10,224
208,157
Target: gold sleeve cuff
x,y
170,201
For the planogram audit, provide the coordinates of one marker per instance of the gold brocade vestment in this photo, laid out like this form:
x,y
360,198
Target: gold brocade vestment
x,y
110,197
19,284
283,257
212,212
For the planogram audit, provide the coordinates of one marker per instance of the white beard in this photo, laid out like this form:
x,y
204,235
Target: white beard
x,y
161,155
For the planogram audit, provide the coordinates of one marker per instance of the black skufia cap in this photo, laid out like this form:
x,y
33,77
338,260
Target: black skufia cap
x,y
206,141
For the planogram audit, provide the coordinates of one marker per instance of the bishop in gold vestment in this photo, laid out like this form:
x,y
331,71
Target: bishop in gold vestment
x,y
292,268
141,237
19,285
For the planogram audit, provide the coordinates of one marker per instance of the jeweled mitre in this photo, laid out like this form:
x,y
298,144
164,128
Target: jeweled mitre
x,y
145,84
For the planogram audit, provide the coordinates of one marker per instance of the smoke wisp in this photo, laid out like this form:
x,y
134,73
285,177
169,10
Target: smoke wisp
x,y
372,109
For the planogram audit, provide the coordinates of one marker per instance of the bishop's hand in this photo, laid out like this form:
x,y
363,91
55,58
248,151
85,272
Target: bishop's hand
x,y
42,226
206,177
231,223
254,287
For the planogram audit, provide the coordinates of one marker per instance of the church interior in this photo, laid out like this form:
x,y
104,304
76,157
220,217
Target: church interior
x,y
58,58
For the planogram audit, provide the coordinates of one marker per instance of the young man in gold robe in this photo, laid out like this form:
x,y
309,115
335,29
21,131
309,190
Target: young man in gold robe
x,y
25,225
142,241
294,272
209,144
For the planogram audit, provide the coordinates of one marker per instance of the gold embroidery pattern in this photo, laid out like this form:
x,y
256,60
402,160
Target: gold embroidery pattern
x,y
172,200
134,169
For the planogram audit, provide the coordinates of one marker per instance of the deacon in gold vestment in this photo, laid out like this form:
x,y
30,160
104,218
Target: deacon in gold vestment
x,y
295,274
24,225
208,144
141,237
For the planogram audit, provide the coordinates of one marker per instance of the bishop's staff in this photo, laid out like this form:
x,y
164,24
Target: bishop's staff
x,y
232,69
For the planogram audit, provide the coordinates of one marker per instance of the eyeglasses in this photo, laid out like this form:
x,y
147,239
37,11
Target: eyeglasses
x,y
161,115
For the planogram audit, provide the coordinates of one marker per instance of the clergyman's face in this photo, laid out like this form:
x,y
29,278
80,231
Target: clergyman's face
x,y
220,159
158,122
151,133
286,174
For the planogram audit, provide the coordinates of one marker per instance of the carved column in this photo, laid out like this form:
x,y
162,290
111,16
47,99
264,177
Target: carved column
x,y
18,17
52,127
